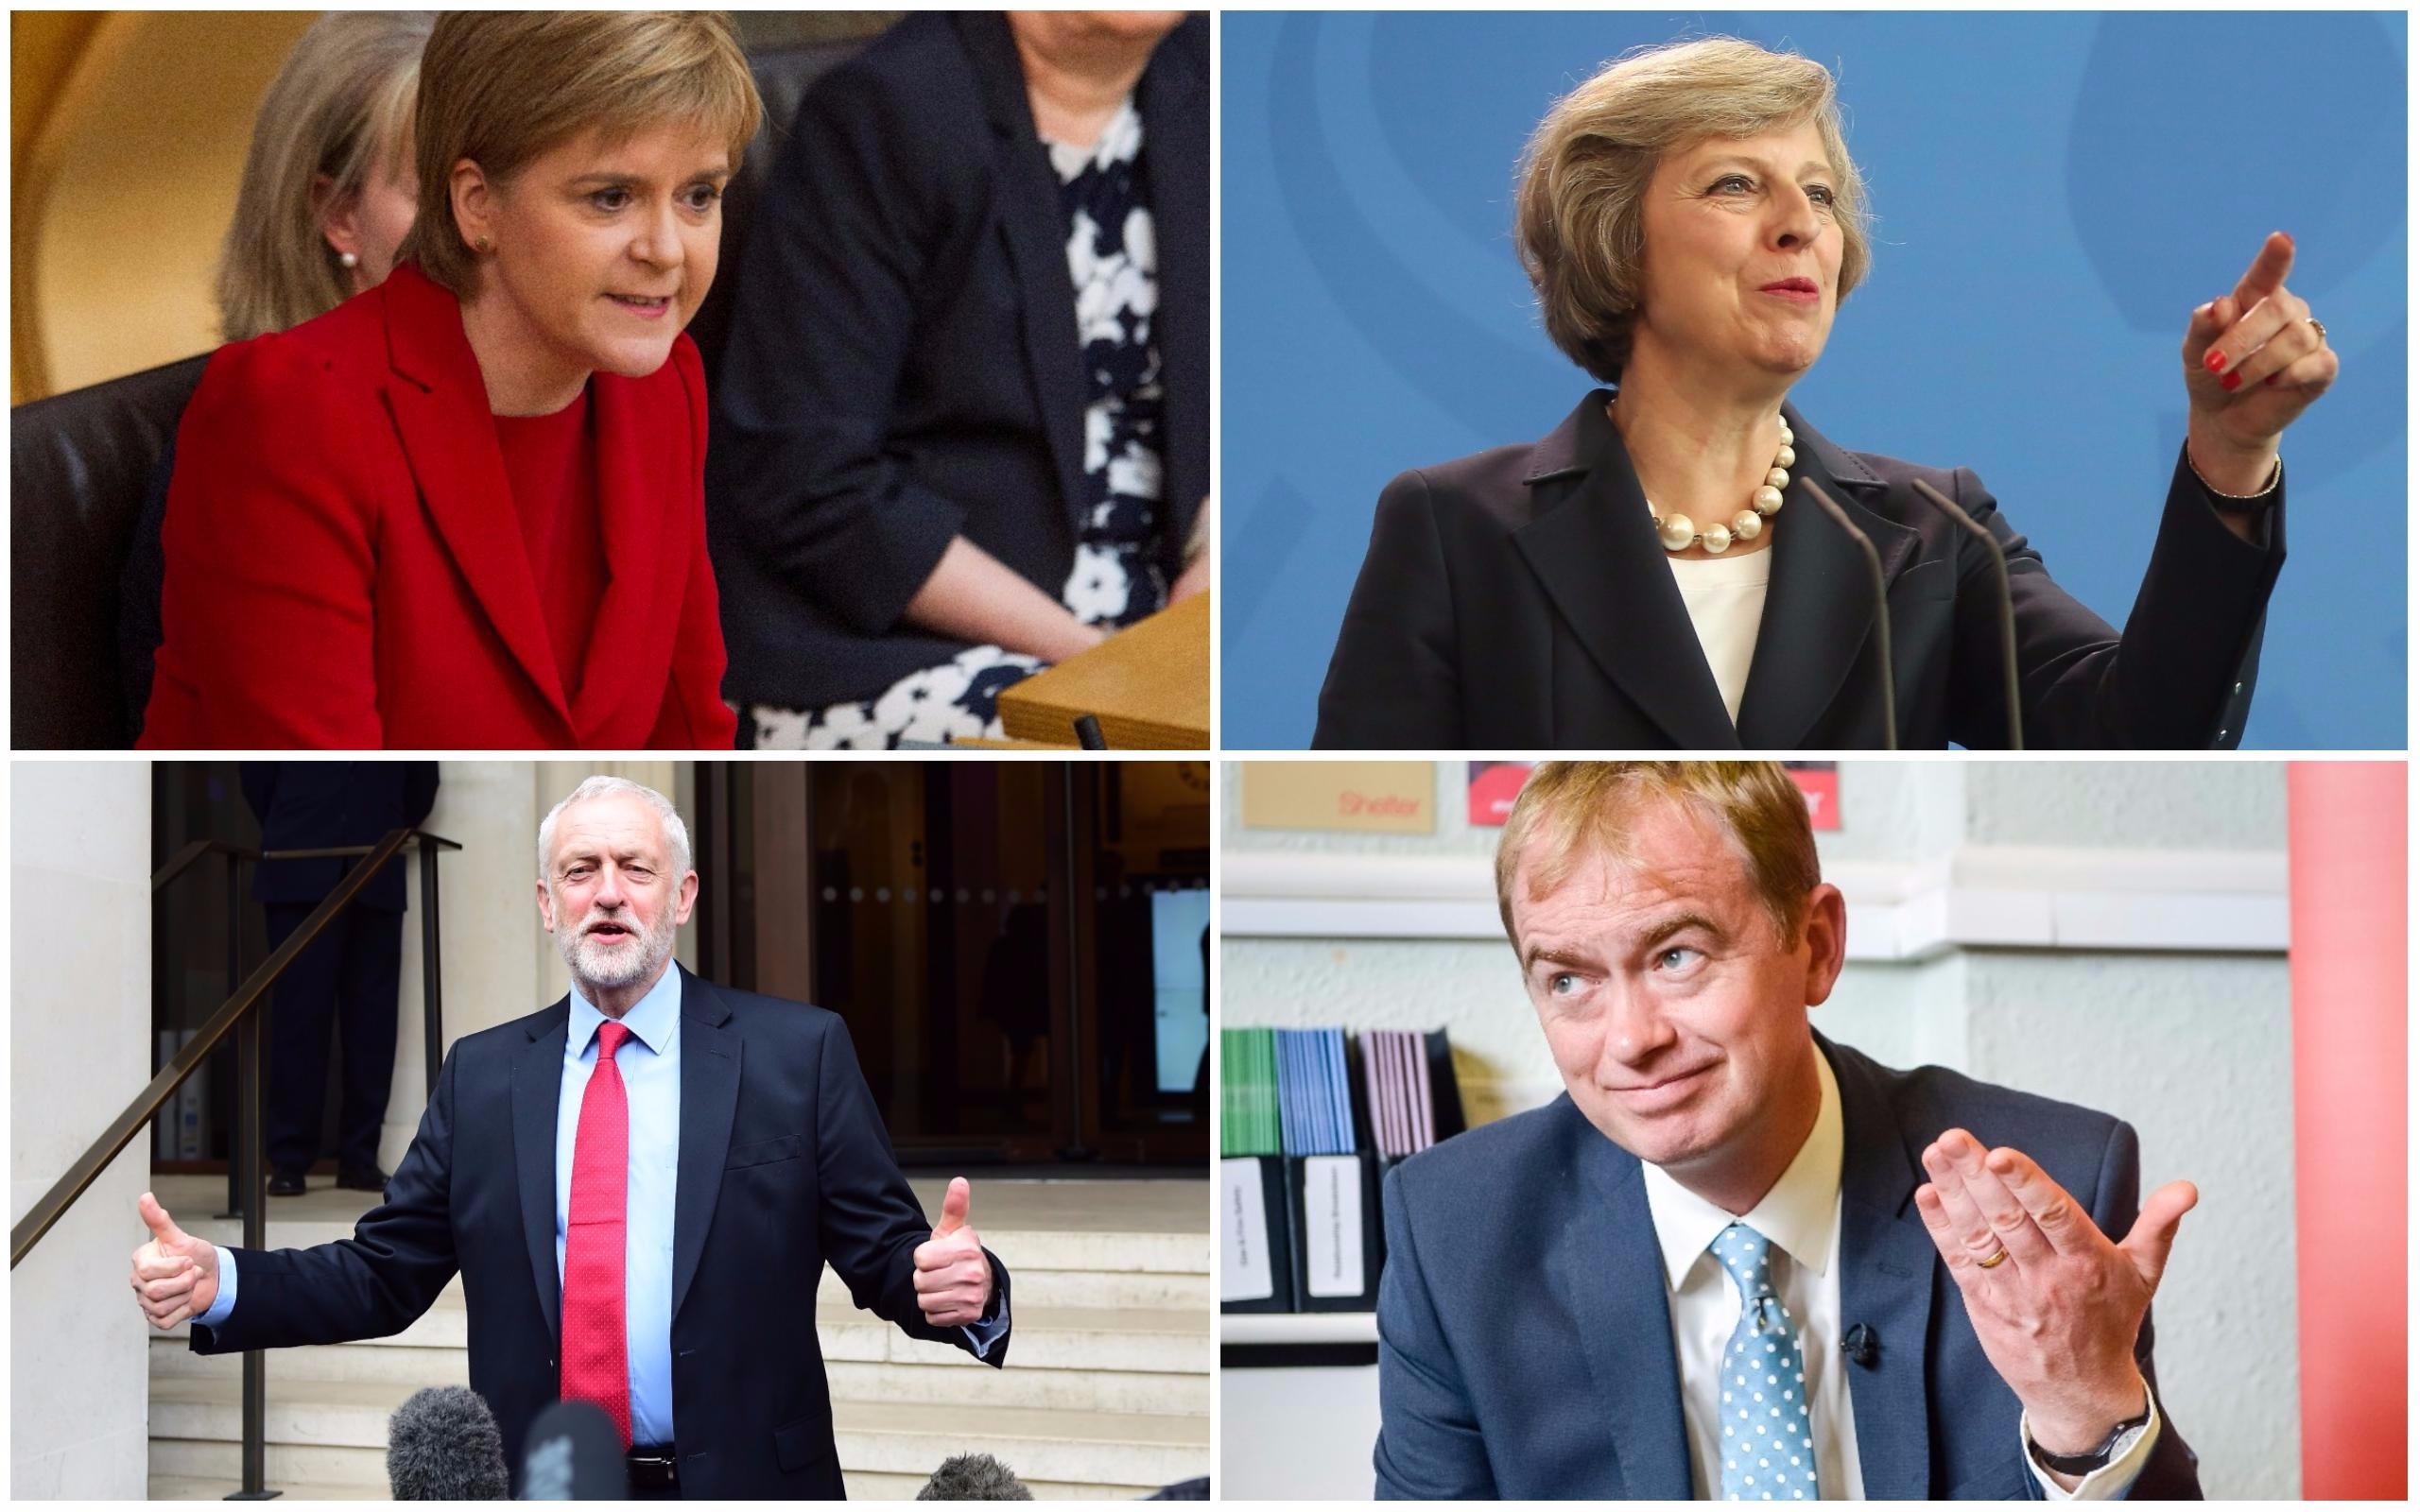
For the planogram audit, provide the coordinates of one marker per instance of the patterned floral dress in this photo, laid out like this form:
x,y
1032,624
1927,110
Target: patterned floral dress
x,y
1115,579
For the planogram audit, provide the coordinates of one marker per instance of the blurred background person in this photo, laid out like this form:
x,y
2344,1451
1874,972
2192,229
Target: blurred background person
x,y
338,575
344,982
928,479
329,189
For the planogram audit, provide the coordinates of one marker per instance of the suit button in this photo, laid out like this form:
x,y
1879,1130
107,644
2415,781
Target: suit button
x,y
2238,687
2223,734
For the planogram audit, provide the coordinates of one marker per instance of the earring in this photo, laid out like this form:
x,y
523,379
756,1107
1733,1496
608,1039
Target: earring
x,y
347,260
486,246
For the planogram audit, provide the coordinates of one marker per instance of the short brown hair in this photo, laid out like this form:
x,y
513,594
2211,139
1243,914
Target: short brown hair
x,y
503,87
340,106
1569,810
1578,215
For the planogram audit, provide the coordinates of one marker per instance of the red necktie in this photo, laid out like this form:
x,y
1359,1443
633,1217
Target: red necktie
x,y
596,1361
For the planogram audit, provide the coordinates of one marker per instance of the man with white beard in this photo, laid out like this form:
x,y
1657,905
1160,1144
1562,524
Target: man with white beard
x,y
639,1186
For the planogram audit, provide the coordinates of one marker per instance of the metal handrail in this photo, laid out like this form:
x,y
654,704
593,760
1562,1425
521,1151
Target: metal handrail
x,y
54,1204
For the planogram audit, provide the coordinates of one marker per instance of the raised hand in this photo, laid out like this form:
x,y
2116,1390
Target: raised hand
x,y
953,1275
2253,361
2058,1315
176,1276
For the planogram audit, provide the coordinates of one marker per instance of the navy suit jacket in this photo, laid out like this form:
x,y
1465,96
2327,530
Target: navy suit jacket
x,y
309,805
904,367
784,1165
1525,1338
1518,600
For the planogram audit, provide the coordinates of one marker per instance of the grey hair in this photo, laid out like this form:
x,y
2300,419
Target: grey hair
x,y
601,786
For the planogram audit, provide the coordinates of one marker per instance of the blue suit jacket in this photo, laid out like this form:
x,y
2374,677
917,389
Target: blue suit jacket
x,y
775,1117
1526,1342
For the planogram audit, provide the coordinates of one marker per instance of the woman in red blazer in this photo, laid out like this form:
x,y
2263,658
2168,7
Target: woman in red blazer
x,y
464,509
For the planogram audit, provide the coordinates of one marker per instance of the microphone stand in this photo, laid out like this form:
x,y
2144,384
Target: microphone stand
x,y
1881,609
2007,606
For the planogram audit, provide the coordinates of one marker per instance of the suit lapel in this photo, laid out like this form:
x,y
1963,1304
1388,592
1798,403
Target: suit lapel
x,y
1819,610
710,1055
1035,230
1886,1283
1611,1276
633,633
1592,546
441,410
537,1100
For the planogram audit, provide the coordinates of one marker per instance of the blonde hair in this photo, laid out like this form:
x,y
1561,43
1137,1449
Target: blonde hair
x,y
341,106
1570,809
1578,212
504,87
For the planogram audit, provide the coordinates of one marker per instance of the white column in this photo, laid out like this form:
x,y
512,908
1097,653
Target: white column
x,y
80,1032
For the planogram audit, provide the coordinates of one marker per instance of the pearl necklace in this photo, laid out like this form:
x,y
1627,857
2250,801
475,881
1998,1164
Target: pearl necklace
x,y
1679,532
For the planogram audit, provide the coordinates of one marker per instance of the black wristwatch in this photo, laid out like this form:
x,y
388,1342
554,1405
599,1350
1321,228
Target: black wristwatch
x,y
2091,1460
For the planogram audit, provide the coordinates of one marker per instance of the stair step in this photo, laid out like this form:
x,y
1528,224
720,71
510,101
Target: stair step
x,y
1166,1341
852,1379
211,1488
1118,1448
872,1486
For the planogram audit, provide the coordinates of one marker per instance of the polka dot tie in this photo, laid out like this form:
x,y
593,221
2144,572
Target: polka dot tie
x,y
1768,1443
596,1361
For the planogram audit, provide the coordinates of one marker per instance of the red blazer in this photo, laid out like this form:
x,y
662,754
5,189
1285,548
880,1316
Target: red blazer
x,y
345,568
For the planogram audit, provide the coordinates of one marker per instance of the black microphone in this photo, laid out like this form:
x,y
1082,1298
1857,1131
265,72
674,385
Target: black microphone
x,y
1088,734
443,1446
1881,609
573,1455
1861,1345
2008,607
974,1478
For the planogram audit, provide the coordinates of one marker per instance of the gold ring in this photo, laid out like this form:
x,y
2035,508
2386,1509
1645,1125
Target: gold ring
x,y
2321,328
1993,1260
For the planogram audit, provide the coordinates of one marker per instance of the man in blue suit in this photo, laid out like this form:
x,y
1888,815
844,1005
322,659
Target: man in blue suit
x,y
639,1187
1736,1260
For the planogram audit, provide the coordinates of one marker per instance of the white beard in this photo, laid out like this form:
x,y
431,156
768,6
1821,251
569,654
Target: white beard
x,y
596,964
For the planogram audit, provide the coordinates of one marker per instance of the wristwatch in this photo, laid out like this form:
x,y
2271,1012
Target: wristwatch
x,y
2091,1460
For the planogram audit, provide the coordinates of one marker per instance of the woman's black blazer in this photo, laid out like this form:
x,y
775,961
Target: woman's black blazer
x,y
1519,600
904,365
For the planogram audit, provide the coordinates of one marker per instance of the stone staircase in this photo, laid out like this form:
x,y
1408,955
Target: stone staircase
x,y
1106,1393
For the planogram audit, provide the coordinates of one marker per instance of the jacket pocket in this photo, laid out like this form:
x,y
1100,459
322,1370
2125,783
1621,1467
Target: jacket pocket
x,y
803,1441
763,1152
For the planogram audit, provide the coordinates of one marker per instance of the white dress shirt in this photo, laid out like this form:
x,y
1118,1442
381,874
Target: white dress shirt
x,y
1725,597
1801,1215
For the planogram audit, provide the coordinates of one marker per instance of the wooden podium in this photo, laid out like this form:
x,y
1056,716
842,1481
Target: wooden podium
x,y
1148,685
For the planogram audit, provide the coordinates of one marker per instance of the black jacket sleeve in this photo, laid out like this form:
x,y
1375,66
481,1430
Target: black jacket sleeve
x,y
2179,679
1394,682
376,1283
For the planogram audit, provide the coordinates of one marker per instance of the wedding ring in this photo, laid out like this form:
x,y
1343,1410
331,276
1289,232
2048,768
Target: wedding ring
x,y
2315,325
1993,1260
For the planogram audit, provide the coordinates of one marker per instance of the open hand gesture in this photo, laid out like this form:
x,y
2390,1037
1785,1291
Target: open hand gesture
x,y
2255,359
2055,1305
176,1276
953,1275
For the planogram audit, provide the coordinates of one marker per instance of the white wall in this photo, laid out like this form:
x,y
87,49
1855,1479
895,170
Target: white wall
x,y
2186,1034
80,1026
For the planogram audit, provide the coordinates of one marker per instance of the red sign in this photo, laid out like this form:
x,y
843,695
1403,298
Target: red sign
x,y
1494,786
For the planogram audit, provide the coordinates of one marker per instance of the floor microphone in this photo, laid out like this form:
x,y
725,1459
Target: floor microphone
x,y
2007,606
1881,607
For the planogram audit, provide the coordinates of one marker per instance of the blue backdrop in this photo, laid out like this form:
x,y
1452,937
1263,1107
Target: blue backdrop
x,y
2052,193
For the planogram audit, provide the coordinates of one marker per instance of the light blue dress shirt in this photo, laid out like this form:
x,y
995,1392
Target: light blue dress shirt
x,y
649,1062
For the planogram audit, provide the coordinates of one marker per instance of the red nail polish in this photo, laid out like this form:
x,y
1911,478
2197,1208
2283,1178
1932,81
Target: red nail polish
x,y
2214,359
2231,382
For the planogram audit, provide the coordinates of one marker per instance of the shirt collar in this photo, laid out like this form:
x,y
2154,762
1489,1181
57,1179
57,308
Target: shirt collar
x,y
1798,1215
650,1020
